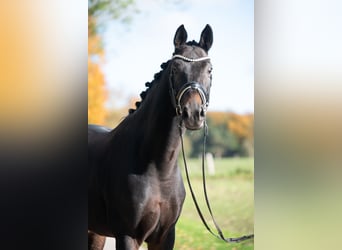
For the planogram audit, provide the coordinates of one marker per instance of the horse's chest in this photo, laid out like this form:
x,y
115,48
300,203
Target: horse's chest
x,y
164,201
162,206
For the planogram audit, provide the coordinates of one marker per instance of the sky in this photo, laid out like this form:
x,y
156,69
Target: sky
x,y
135,51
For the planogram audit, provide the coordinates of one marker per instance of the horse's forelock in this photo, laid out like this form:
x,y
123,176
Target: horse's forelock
x,y
193,43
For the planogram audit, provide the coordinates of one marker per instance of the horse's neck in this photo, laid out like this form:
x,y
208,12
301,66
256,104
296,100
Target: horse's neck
x,y
160,126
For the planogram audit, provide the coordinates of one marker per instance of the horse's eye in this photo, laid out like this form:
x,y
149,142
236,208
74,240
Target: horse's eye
x,y
210,70
174,70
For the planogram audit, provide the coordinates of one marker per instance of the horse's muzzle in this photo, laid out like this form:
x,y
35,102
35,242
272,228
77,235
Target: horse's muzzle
x,y
193,116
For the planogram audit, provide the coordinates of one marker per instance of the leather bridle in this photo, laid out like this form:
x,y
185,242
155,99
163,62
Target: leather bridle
x,y
176,101
176,97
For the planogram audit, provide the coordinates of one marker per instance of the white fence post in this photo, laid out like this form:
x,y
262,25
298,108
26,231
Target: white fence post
x,y
210,163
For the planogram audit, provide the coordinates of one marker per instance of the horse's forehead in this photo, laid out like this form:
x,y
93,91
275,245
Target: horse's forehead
x,y
192,52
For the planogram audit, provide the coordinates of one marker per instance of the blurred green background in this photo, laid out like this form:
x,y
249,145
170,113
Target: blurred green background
x,y
231,196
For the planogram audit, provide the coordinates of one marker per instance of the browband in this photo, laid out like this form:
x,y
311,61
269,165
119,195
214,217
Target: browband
x,y
191,59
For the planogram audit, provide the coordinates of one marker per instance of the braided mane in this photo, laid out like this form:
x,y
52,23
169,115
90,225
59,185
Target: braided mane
x,y
148,85
156,78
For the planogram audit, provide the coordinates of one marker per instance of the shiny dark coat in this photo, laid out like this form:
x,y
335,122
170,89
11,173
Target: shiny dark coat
x,y
135,188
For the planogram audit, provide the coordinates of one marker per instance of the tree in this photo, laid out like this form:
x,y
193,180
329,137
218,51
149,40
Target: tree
x,y
103,10
97,93
229,134
220,141
98,12
243,127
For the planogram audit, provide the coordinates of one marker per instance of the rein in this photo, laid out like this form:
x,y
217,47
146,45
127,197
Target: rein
x,y
176,101
219,234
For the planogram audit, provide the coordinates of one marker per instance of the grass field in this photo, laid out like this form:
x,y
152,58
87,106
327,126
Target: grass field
x,y
231,194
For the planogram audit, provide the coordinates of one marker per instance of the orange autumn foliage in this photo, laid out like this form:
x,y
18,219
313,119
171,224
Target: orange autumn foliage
x,y
218,117
241,125
97,92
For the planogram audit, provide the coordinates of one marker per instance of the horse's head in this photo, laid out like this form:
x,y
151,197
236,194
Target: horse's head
x,y
190,78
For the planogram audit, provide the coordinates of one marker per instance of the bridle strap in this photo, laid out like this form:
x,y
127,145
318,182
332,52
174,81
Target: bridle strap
x,y
192,86
177,97
195,86
176,101
191,59
219,231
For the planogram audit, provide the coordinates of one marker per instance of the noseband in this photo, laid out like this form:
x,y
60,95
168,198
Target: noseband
x,y
176,98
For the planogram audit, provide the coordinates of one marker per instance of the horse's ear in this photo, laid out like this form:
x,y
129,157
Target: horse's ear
x,y
180,36
206,39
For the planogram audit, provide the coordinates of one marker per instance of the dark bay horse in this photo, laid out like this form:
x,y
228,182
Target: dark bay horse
x,y
135,188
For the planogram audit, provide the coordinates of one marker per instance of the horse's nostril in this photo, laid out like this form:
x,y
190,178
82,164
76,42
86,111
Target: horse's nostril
x,y
202,114
185,113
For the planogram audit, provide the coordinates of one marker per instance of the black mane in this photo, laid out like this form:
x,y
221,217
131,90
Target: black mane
x,y
156,78
148,85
